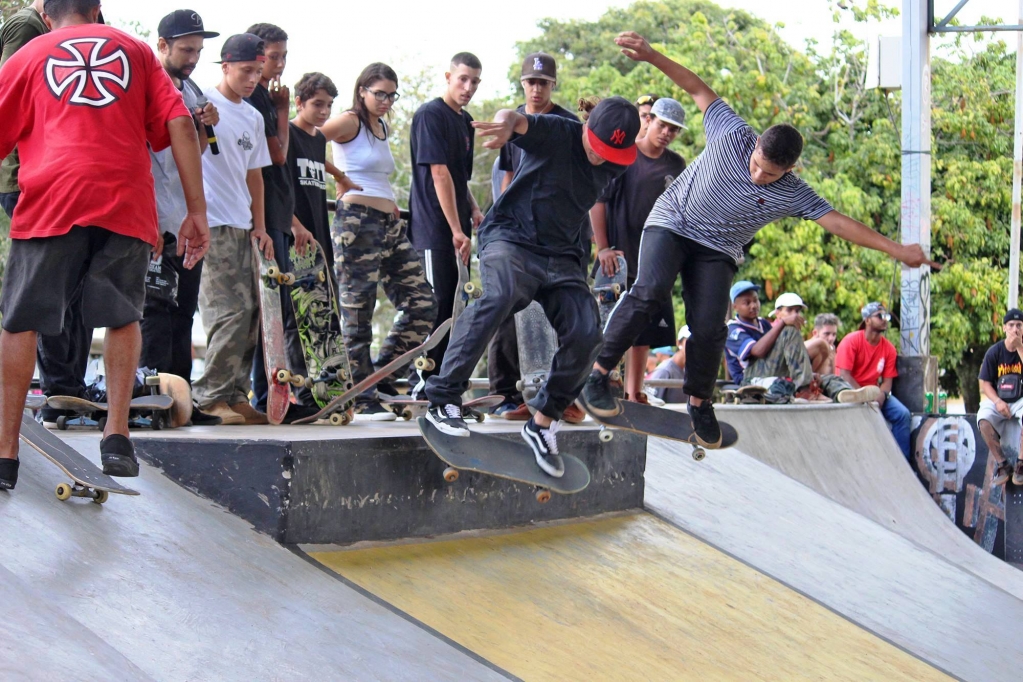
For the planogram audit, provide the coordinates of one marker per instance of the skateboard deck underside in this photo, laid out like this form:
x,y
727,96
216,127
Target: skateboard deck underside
x,y
80,405
272,326
609,289
538,342
319,330
75,465
659,422
508,459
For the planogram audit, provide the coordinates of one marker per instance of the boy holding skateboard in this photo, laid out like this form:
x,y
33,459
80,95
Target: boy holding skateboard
x,y
698,227
530,249
101,233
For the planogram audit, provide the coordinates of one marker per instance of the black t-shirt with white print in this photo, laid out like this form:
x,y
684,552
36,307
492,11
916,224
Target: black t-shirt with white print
x,y
307,167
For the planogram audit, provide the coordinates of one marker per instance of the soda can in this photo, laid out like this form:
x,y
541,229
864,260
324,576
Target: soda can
x,y
929,403
942,402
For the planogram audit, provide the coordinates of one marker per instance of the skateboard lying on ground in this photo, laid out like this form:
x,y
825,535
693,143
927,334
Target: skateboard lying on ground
x,y
408,409
334,409
659,422
746,395
538,342
88,480
608,289
467,290
319,326
510,459
95,414
278,378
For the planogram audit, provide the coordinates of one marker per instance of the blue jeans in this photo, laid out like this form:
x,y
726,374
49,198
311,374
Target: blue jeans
x,y
898,418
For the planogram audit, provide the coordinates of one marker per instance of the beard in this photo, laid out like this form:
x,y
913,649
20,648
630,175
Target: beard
x,y
181,73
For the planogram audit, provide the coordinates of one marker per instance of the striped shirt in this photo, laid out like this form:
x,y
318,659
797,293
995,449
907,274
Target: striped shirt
x,y
714,202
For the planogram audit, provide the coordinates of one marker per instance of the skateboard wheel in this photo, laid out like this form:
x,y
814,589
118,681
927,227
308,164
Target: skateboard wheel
x,y
273,272
288,279
297,380
152,381
699,453
543,496
615,375
478,293
101,497
519,385
451,474
617,288
62,423
63,492
102,423
336,419
480,417
283,376
605,435
156,421
406,415
425,364
469,288
321,276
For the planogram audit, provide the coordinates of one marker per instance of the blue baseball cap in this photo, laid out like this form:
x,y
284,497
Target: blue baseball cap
x,y
741,288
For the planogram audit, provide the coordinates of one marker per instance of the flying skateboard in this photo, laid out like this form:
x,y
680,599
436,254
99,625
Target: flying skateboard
x,y
278,378
408,409
87,479
466,291
538,342
510,459
659,422
334,409
319,326
608,289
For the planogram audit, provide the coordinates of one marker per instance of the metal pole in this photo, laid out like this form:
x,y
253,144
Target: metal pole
x,y
915,315
1017,172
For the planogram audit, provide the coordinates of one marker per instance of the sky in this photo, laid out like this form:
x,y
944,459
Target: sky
x,y
410,35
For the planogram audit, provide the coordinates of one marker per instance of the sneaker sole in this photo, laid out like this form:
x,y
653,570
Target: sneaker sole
x,y
447,430
123,468
540,461
586,407
863,394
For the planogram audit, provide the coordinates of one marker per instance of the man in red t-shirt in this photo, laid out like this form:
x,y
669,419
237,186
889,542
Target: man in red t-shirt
x,y
80,103
867,358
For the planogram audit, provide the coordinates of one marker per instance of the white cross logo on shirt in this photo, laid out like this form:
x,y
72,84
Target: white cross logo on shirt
x,y
89,72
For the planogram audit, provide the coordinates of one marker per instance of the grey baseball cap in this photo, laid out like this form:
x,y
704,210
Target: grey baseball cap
x,y
670,111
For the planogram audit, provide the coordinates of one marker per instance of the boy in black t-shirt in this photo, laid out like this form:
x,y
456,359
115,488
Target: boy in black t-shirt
x,y
1004,359
443,210
531,249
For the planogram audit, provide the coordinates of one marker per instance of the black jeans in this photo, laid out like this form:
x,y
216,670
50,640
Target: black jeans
x,y
512,277
292,344
503,363
62,358
166,329
706,278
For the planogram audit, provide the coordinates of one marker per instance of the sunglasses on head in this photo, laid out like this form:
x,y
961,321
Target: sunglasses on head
x,y
646,99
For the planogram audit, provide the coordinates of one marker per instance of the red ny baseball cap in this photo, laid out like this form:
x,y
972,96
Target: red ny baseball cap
x,y
611,130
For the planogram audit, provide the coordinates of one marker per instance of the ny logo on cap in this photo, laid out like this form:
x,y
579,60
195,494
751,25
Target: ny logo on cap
x,y
537,64
618,136
89,71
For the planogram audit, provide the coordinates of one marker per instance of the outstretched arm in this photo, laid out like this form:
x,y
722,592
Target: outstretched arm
x,y
856,232
636,48
506,123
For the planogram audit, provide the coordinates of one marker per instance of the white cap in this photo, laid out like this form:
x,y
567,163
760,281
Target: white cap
x,y
683,334
788,300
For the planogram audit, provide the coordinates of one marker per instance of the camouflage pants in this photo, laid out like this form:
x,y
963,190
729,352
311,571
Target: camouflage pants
x,y
371,248
788,358
229,305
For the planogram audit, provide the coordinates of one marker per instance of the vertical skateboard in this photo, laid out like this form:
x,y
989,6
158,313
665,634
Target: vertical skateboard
x,y
538,342
466,291
278,378
319,326
87,479
334,409
510,459
608,289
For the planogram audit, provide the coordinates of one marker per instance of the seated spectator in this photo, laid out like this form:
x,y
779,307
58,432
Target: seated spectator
x,y
672,368
821,344
760,352
1001,383
867,358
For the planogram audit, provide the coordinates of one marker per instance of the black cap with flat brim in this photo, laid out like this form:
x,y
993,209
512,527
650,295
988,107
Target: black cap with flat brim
x,y
244,47
181,23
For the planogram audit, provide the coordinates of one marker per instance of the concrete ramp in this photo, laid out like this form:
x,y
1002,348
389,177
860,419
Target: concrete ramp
x,y
847,454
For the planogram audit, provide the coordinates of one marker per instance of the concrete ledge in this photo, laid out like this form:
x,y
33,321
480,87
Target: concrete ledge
x,y
350,489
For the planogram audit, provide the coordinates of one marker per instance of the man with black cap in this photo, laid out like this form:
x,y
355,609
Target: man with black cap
x,y
170,310
741,182
1001,384
531,249
228,295
539,78
99,96
866,358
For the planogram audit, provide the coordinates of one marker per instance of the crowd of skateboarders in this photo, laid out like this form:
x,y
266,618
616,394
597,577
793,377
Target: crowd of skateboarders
x,y
172,181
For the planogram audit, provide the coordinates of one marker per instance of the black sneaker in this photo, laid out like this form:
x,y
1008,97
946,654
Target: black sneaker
x,y
705,424
374,411
200,418
8,474
448,419
296,412
118,456
545,447
597,397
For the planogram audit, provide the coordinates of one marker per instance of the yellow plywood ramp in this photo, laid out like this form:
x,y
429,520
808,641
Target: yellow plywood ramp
x,y
622,598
